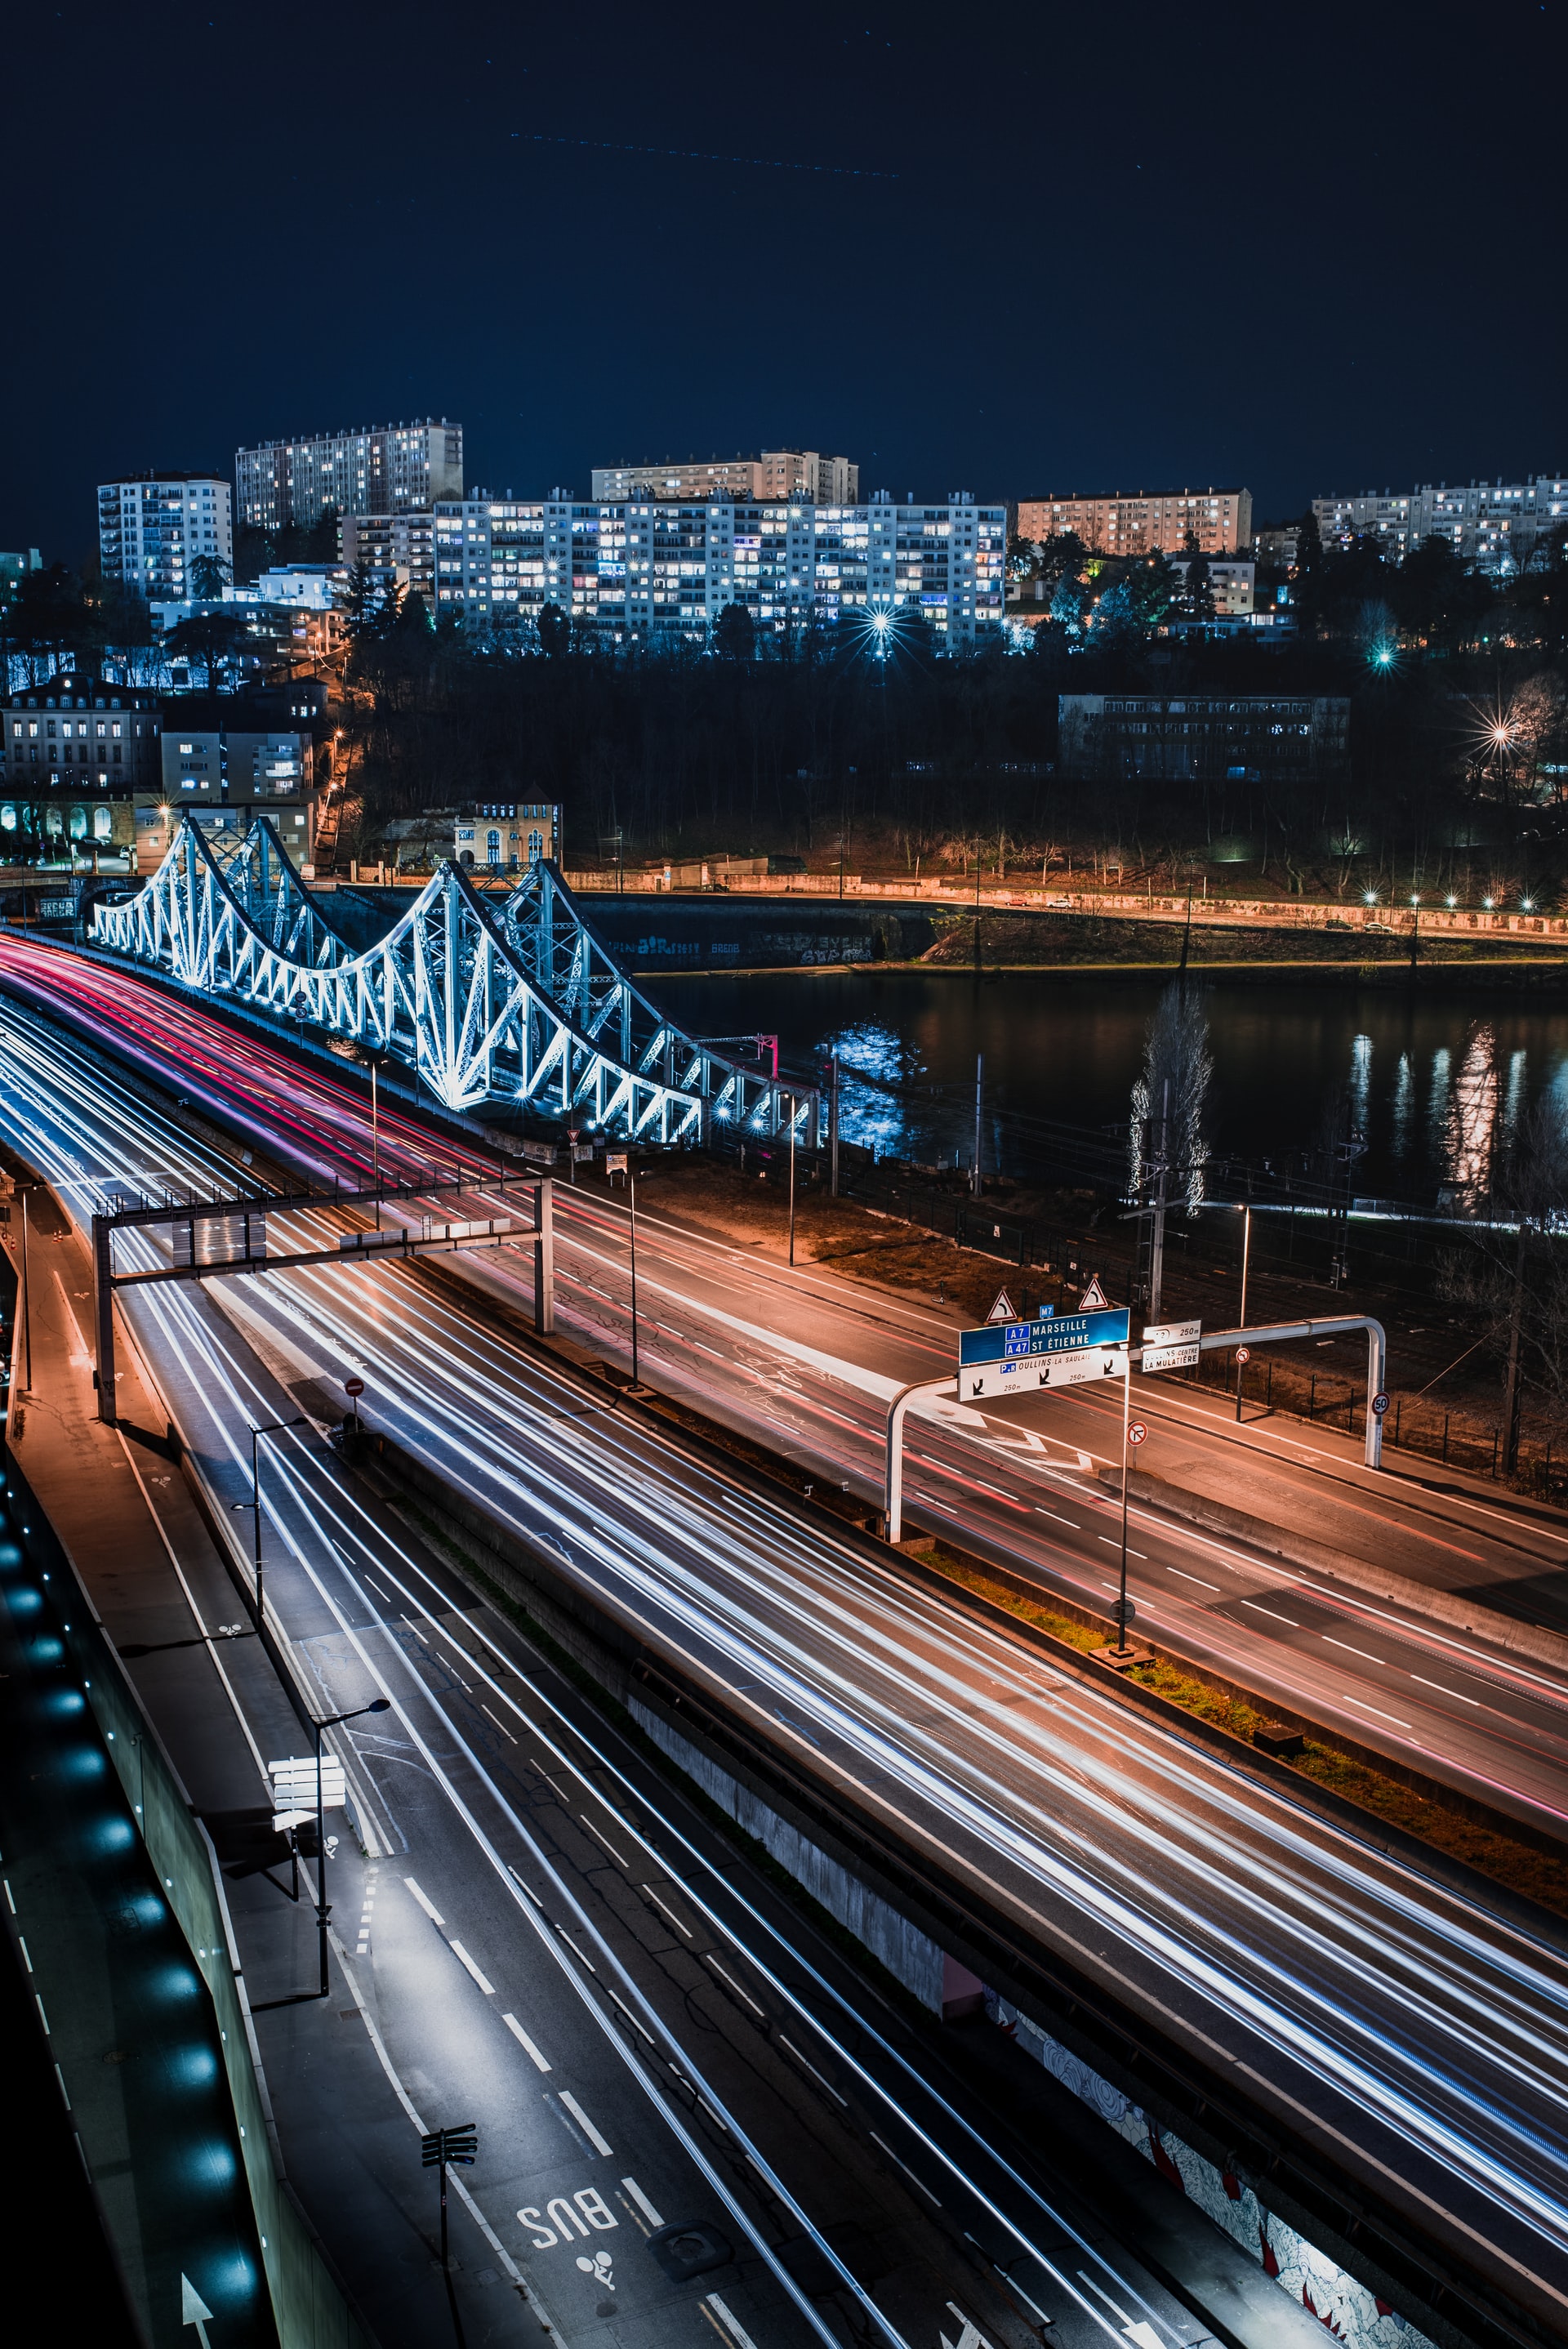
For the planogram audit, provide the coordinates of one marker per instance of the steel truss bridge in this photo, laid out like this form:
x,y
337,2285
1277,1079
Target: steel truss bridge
x,y
514,1004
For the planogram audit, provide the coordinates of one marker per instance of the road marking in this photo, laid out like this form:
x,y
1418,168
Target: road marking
x,y
903,2166
642,2201
585,2124
1274,1611
732,2324
1350,1650
668,1911
813,2071
1362,1706
1059,1518
1112,1543
1446,1692
599,1838
526,2044
500,1724
1186,1577
430,1907
469,1966
724,1976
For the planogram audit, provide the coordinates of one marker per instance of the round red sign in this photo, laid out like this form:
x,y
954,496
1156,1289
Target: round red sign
x,y
354,1386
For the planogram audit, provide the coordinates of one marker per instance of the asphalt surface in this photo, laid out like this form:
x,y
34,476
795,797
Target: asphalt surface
x,y
1418,2041
543,1936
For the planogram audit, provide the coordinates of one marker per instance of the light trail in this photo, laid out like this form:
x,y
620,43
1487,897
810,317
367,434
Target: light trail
x,y
1366,2004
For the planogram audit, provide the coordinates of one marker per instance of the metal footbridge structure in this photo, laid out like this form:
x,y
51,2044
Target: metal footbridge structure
x,y
515,1004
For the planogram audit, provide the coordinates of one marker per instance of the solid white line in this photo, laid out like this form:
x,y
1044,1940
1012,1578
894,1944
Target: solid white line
x,y
525,2042
585,2124
469,1966
642,2201
430,1907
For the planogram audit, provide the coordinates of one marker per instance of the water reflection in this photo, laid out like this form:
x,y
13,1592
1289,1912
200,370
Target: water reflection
x,y
1472,1123
1404,1109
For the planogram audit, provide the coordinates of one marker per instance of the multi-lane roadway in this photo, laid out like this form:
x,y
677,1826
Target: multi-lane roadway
x,y
1399,2029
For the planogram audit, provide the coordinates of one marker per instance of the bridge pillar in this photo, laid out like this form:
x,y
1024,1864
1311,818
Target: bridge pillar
x,y
544,1256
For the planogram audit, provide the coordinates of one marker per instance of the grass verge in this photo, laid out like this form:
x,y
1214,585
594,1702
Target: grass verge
x,y
1519,1866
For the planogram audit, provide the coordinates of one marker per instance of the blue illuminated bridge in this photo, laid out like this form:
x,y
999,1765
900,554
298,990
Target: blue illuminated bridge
x,y
507,1003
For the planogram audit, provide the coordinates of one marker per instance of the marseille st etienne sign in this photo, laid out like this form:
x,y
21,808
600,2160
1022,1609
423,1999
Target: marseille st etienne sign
x,y
1016,1357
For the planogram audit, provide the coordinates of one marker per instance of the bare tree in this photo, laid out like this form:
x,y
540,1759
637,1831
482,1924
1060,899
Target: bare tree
x,y
1170,1094
1513,1280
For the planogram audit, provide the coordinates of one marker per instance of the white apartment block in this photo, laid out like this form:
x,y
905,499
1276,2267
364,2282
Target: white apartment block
x,y
1492,524
802,473
152,527
641,566
379,468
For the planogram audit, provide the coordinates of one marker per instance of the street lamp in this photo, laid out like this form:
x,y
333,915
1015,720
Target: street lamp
x,y
632,1187
273,1427
377,1705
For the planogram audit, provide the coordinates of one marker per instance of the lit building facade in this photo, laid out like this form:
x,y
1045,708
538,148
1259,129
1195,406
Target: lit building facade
x,y
791,473
1145,521
152,528
79,756
1231,583
506,835
1493,525
392,550
381,469
644,566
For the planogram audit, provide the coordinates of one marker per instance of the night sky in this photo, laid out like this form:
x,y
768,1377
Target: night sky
x,y
1303,248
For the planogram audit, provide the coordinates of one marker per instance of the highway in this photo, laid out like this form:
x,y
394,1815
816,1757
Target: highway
x,y
1418,2041
808,1360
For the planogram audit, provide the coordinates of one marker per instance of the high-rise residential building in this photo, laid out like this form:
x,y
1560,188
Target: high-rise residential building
x,y
1493,525
380,468
645,566
396,549
1144,520
776,473
153,527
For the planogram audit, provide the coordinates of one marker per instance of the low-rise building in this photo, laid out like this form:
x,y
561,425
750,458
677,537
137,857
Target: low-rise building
x,y
1230,584
776,473
224,763
81,756
505,835
1144,521
1202,737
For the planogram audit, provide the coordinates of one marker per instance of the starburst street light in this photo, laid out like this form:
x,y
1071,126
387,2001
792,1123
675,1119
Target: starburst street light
x,y
1371,897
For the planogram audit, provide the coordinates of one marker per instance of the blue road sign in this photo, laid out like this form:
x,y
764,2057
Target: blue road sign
x,y
1065,1333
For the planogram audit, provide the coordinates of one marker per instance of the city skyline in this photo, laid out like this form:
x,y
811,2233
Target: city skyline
x,y
920,257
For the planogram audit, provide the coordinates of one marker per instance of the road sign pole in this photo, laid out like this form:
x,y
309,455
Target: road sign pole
x,y
1243,1356
1126,1448
893,1478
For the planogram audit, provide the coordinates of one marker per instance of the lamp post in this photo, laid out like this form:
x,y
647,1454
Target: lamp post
x,y
273,1427
794,1113
632,1187
27,1305
377,1705
1126,1445
374,1143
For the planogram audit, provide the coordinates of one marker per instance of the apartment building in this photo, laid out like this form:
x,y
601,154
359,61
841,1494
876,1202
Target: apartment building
x,y
800,473
224,763
641,566
1240,738
153,528
1493,525
506,834
392,550
79,756
1231,583
377,469
1144,522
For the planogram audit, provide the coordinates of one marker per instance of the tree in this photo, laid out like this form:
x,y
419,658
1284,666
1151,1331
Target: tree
x,y
1170,1094
735,633
1197,598
208,638
1308,584
1022,557
554,631
210,574
1515,1284
321,540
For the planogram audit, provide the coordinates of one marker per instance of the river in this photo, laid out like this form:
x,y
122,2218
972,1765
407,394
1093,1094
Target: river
x,y
1434,1084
